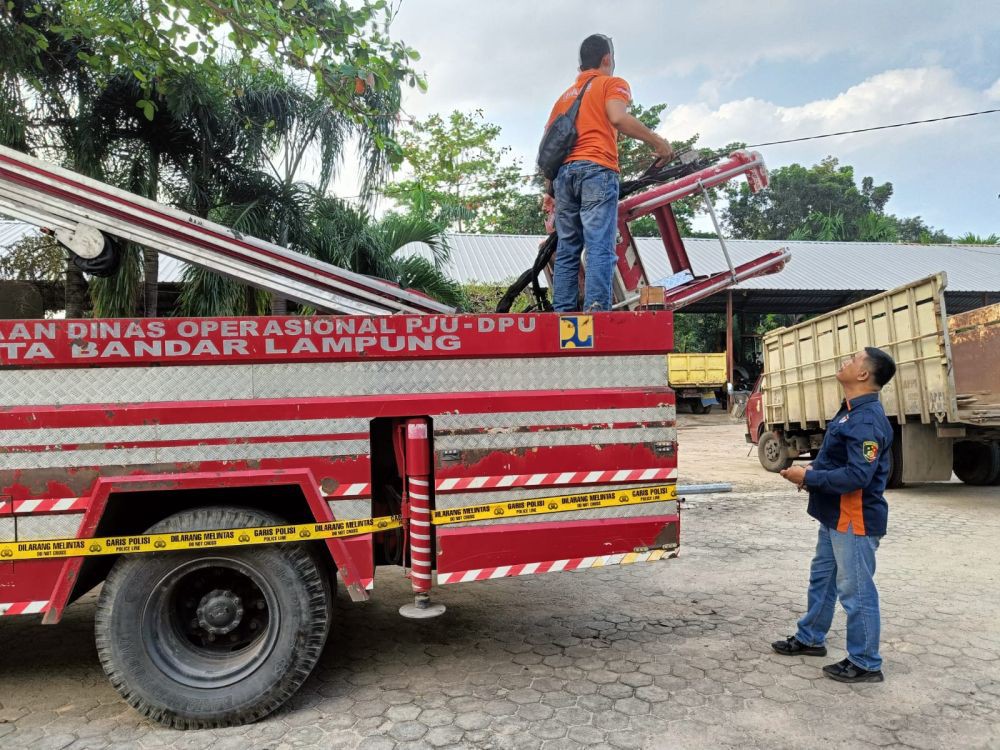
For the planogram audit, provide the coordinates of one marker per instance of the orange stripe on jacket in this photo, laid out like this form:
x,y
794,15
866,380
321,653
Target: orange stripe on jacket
x,y
851,512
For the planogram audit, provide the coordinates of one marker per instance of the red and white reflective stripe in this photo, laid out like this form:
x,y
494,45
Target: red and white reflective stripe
x,y
23,608
552,566
50,505
420,522
460,484
360,489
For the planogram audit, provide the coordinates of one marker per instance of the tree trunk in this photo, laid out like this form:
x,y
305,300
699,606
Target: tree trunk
x,y
150,258
279,305
150,282
76,291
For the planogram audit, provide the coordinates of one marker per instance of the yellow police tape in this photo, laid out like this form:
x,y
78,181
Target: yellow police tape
x,y
45,549
558,504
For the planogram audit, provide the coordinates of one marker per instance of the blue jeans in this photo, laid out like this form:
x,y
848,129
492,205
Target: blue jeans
x,y
586,214
844,567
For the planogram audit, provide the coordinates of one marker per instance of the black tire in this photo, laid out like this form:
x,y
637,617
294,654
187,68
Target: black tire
x,y
202,639
996,479
976,463
698,408
772,452
895,479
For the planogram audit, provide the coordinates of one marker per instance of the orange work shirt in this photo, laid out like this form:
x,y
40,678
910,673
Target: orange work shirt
x,y
597,138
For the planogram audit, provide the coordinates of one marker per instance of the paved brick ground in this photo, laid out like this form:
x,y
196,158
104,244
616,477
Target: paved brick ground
x,y
671,654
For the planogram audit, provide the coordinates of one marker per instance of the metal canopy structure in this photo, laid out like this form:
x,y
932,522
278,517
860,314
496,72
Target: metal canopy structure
x,y
820,277
82,213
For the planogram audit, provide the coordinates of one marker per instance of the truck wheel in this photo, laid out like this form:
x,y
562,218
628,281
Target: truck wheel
x,y
895,479
699,408
201,639
772,452
976,463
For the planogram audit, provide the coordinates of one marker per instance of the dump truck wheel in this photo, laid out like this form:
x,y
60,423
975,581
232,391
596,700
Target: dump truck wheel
x,y
698,408
200,639
895,479
772,452
976,463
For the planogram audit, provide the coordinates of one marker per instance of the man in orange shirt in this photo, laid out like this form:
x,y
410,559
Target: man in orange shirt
x,y
586,186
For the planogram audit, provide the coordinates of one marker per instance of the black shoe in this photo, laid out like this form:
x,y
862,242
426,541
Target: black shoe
x,y
845,671
793,647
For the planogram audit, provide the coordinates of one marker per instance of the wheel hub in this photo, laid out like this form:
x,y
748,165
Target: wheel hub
x,y
220,612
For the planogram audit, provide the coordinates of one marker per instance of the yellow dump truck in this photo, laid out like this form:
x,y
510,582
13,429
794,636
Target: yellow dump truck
x,y
697,379
944,402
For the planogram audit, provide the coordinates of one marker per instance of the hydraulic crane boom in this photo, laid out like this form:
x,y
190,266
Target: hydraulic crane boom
x,y
82,212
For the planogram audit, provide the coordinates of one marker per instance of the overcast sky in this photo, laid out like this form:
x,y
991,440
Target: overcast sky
x,y
750,72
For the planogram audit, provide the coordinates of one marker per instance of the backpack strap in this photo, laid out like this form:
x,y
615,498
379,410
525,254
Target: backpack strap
x,y
574,110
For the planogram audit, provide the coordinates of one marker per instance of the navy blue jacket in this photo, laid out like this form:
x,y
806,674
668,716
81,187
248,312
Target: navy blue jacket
x,y
847,480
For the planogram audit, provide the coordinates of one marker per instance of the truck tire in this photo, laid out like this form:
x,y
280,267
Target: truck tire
x,y
895,479
699,408
996,479
202,639
976,463
772,452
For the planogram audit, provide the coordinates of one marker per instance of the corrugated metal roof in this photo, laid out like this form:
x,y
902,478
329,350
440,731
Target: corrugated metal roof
x,y
11,232
858,266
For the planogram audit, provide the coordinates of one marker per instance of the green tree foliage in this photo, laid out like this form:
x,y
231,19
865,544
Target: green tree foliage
x,y
822,201
33,258
634,157
975,239
348,237
142,96
461,176
914,230
344,48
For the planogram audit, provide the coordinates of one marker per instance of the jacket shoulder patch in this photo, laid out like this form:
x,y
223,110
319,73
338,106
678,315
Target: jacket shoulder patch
x,y
869,449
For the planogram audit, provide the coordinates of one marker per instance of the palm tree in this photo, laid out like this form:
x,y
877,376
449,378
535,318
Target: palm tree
x,y
975,239
332,231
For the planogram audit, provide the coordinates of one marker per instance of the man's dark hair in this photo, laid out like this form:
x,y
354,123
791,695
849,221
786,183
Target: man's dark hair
x,y
593,50
881,365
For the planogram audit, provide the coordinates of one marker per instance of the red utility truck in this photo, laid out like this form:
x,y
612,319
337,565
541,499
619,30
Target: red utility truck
x,y
218,475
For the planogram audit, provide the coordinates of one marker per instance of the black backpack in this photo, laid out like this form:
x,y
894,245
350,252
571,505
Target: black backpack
x,y
559,138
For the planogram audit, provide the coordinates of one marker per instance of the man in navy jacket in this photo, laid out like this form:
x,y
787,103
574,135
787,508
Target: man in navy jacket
x,y
846,483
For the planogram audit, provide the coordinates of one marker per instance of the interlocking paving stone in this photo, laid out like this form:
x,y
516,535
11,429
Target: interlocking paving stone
x,y
643,656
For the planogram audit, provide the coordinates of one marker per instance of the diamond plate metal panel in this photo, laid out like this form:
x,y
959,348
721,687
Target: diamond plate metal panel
x,y
193,453
501,420
297,380
216,430
77,435
344,510
504,440
445,376
121,385
55,459
208,431
62,526
8,532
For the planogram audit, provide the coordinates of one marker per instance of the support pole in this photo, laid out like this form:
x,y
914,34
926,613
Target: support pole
x,y
729,336
418,483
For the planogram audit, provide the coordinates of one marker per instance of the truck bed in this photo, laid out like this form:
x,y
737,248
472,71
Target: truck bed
x,y
941,374
975,356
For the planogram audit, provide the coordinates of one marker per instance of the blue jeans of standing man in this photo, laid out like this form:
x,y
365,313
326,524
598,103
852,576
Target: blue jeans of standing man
x,y
844,568
586,214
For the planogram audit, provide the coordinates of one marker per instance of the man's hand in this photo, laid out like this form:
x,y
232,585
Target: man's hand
x,y
665,152
796,475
